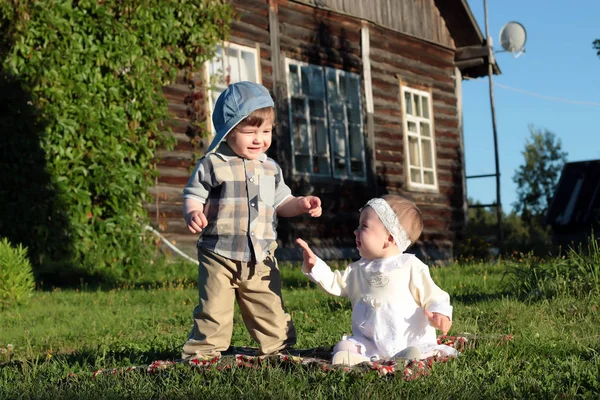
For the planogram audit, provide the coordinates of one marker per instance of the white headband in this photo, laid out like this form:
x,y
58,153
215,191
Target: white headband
x,y
390,221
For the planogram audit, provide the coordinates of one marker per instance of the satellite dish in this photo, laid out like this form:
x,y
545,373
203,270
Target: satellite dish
x,y
513,37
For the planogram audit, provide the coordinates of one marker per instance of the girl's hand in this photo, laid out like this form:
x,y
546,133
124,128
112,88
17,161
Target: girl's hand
x,y
310,260
196,221
439,321
310,205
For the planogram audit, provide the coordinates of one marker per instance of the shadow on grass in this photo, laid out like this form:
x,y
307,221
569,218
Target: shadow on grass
x,y
98,358
293,278
160,274
472,298
296,282
106,358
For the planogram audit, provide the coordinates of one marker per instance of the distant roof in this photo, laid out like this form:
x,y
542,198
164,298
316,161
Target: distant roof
x,y
576,200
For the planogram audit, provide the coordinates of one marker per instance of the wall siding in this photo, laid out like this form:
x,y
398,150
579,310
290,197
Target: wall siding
x,y
421,65
420,19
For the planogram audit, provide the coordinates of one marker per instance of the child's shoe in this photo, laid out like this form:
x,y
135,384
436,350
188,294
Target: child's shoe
x,y
409,353
348,358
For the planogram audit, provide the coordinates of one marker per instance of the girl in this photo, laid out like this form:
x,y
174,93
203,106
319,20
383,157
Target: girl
x,y
396,306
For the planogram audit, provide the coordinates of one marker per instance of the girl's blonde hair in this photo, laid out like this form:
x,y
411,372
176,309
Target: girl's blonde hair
x,y
408,214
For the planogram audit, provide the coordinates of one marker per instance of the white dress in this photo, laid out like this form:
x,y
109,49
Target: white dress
x,y
388,296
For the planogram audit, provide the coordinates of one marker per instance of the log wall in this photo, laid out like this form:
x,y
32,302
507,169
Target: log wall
x,y
321,36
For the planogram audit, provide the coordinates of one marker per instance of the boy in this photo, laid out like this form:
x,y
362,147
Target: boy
x,y
233,199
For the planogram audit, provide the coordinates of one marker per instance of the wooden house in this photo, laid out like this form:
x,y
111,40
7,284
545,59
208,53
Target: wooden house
x,y
368,99
574,213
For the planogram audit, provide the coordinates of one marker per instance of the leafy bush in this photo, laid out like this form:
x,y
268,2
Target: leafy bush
x,y
474,248
83,118
521,235
16,276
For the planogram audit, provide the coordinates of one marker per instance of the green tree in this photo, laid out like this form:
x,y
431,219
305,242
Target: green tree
x,y
596,45
519,236
537,177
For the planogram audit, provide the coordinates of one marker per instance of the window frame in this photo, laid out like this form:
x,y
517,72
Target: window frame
x,y
417,120
207,75
332,172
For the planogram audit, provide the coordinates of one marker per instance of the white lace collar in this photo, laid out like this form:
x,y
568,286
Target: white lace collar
x,y
383,265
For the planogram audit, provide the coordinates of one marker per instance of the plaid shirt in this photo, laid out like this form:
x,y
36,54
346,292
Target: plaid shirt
x,y
240,197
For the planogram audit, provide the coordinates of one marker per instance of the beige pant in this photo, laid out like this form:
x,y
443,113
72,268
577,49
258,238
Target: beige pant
x,y
257,289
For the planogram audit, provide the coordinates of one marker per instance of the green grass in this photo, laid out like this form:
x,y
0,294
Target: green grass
x,y
554,352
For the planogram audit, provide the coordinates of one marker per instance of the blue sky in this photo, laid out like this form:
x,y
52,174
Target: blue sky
x,y
559,62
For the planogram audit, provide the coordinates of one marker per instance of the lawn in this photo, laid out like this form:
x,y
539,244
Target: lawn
x,y
552,353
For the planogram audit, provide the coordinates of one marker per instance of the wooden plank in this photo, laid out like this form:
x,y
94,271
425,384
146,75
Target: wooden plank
x,y
260,22
321,55
426,30
307,41
415,18
173,180
175,163
409,41
384,74
399,54
475,62
319,31
306,17
248,35
274,43
251,7
471,52
176,92
381,78
371,155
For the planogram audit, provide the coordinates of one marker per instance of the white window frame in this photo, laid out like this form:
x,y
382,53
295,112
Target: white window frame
x,y
326,121
222,85
421,139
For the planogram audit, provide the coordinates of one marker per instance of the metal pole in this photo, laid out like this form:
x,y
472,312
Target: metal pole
x,y
491,63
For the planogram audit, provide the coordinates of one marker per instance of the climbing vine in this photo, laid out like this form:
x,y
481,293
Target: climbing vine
x,y
84,117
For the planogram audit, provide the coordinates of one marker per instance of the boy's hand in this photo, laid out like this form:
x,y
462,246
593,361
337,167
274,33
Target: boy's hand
x,y
310,260
196,221
439,321
310,205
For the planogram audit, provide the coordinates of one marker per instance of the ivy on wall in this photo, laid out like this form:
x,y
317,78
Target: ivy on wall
x,y
81,111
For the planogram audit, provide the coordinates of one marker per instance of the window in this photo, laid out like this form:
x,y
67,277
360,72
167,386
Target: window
x,y
231,63
325,121
419,139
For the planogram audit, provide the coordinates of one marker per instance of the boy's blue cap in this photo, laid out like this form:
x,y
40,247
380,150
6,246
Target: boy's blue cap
x,y
238,101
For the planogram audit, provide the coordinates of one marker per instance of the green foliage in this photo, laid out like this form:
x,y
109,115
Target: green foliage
x,y
84,116
520,236
536,179
596,45
481,234
526,235
16,276
575,274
